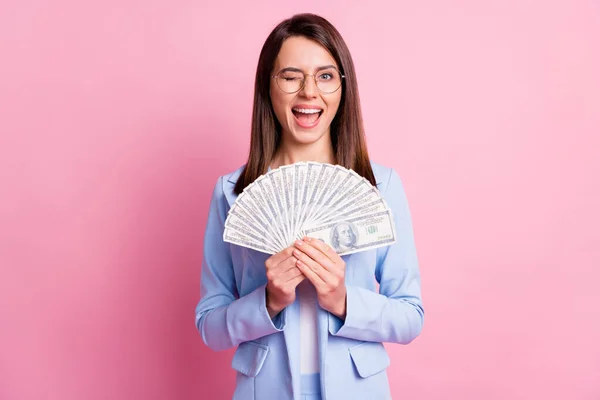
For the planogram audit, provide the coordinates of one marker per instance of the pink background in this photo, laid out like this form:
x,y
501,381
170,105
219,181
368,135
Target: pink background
x,y
116,118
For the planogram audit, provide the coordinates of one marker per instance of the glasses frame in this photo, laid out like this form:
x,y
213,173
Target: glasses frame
x,y
276,77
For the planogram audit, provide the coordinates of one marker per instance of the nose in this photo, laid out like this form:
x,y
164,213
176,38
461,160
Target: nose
x,y
309,89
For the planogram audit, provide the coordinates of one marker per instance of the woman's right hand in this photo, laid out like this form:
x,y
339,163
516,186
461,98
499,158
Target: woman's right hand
x,y
282,278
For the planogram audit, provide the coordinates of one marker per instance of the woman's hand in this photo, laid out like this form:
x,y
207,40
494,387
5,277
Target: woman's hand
x,y
282,278
326,270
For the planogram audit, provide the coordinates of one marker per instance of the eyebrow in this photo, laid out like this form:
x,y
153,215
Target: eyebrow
x,y
294,69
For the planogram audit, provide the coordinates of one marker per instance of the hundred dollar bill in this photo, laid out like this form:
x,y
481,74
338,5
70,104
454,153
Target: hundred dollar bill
x,y
257,206
356,234
326,176
280,203
299,184
266,189
319,179
312,172
369,208
269,195
238,220
356,192
240,239
245,208
337,194
365,195
287,178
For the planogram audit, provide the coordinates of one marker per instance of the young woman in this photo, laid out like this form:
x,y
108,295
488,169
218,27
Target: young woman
x,y
307,323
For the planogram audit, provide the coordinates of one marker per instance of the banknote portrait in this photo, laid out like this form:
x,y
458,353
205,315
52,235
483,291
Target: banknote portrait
x,y
344,237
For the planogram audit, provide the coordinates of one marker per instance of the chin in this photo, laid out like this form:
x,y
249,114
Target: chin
x,y
307,137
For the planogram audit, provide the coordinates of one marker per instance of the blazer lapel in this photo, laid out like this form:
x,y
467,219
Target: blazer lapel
x,y
229,185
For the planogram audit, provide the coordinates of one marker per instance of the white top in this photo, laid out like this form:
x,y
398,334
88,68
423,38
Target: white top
x,y
309,339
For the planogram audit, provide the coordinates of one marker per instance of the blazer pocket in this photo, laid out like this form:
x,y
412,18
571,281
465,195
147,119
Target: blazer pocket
x,y
369,358
249,358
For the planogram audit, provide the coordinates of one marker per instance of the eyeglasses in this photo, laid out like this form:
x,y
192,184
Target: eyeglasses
x,y
291,80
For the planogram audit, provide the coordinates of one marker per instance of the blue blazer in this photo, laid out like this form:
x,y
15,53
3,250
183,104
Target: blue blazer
x,y
353,361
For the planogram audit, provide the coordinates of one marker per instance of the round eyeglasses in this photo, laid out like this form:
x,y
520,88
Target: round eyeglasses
x,y
292,80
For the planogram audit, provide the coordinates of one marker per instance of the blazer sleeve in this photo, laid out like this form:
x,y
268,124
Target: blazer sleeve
x,y
223,318
395,314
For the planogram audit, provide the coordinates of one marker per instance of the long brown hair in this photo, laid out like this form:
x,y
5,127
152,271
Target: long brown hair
x,y
347,131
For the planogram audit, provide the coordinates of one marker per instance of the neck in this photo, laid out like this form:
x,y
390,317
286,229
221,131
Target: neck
x,y
319,151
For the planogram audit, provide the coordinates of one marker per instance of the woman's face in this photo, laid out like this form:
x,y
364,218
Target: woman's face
x,y
295,111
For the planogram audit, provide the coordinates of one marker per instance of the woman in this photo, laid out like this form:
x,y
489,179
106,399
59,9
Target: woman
x,y
307,323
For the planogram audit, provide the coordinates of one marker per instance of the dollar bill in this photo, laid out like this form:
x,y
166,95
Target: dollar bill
x,y
363,194
287,178
245,208
356,234
280,203
299,187
270,196
364,209
348,183
312,172
261,207
235,237
239,220
326,176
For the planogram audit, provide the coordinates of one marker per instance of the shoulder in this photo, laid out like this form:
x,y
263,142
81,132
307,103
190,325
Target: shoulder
x,y
381,172
227,181
233,176
390,185
386,177
225,185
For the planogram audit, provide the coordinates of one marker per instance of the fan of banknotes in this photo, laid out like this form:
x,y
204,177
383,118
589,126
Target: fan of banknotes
x,y
324,201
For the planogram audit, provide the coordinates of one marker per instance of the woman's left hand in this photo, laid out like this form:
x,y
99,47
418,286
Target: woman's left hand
x,y
326,270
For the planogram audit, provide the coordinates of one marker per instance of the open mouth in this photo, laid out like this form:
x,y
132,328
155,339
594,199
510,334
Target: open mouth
x,y
307,117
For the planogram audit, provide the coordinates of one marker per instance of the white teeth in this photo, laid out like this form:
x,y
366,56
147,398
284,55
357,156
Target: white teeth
x,y
306,110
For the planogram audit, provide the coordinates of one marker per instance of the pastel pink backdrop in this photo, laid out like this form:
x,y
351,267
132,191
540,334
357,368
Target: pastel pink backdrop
x,y
116,118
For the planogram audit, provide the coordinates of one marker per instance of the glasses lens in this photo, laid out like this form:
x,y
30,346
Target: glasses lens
x,y
290,81
328,80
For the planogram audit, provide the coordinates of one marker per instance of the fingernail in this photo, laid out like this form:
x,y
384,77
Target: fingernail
x,y
296,253
299,242
308,239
